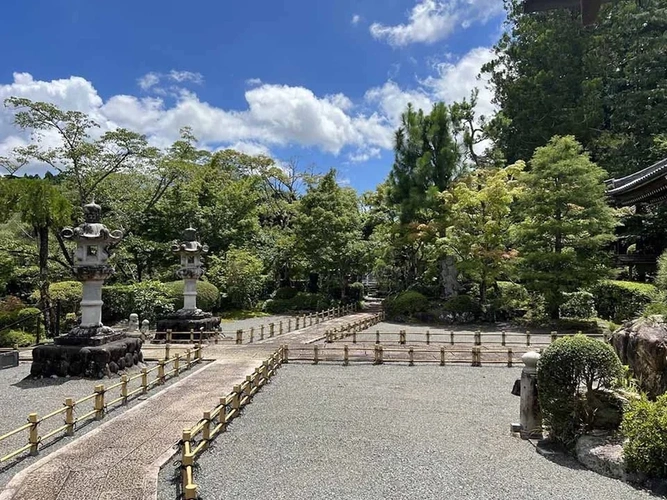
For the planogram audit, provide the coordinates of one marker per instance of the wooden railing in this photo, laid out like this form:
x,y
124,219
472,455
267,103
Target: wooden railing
x,y
379,354
197,438
250,335
356,333
165,369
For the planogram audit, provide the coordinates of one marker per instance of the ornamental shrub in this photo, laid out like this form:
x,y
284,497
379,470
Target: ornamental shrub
x,y
149,299
31,319
645,427
622,300
355,292
69,294
405,304
580,305
463,308
302,301
510,300
9,338
207,294
570,372
118,303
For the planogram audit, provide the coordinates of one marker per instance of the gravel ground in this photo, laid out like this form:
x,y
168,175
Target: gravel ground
x,y
368,432
20,396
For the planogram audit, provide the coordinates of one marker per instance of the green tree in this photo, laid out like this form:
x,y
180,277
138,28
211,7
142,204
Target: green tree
x,y
479,223
328,231
566,222
426,159
43,208
240,274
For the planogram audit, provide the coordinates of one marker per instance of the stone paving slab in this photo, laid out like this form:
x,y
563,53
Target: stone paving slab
x,y
121,458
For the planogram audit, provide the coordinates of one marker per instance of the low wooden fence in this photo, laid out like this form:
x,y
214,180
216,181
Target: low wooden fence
x,y
196,439
129,388
250,335
503,338
379,354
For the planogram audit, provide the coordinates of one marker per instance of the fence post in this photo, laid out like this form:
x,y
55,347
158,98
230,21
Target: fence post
x,y
123,388
503,337
401,337
239,337
33,433
197,352
261,332
38,327
289,325
168,337
411,356
280,327
69,416
236,400
478,337
377,336
285,354
315,355
554,336
451,337
297,322
166,351
177,364
144,380
442,356
99,402
510,356
346,354
160,371
192,336
271,328
206,431
527,337
354,336
428,337
188,358
474,357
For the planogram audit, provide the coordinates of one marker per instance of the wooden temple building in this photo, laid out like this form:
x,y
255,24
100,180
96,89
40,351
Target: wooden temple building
x,y
646,187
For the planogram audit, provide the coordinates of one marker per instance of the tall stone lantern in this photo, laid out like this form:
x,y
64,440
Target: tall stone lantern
x,y
189,318
93,249
190,252
90,348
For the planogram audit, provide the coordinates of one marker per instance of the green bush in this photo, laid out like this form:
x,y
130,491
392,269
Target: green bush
x,y
658,307
118,303
463,308
405,304
622,300
579,305
510,300
645,428
149,299
207,294
571,372
69,294
661,276
355,291
30,318
285,293
9,338
302,301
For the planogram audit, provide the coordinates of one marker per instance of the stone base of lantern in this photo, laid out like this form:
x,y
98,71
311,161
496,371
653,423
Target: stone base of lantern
x,y
94,361
185,320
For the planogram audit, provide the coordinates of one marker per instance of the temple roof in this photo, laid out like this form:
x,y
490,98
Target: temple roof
x,y
646,186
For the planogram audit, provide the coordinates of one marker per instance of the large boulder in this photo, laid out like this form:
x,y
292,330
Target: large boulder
x,y
642,345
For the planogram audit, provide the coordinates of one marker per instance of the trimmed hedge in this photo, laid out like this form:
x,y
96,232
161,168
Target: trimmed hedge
x,y
619,301
570,373
405,304
302,301
207,294
645,427
149,299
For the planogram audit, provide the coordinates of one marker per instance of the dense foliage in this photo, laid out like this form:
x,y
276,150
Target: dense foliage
x,y
570,373
645,427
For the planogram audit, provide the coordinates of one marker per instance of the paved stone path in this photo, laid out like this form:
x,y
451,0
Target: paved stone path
x,y
121,458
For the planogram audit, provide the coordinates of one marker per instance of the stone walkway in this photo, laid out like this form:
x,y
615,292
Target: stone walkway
x,y
121,458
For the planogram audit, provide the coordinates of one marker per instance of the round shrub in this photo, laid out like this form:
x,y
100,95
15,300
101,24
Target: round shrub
x,y
571,371
580,305
69,293
510,300
285,293
10,338
405,304
30,319
463,308
622,300
207,294
118,303
277,306
645,428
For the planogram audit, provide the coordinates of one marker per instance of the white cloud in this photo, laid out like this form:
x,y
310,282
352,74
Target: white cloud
x,y
150,81
355,19
364,154
392,100
249,148
186,76
432,20
253,82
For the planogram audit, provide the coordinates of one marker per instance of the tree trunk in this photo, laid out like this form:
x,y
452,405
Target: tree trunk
x,y
44,296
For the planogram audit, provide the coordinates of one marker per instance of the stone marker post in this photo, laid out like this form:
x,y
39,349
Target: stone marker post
x,y
530,414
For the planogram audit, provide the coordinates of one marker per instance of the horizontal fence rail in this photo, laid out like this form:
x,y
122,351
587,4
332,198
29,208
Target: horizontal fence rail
x,y
357,334
250,335
380,354
196,439
102,402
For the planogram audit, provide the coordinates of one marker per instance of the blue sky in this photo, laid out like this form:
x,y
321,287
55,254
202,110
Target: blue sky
x,y
321,82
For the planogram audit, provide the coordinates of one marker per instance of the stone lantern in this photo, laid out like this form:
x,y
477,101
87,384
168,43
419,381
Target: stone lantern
x,y
90,348
190,252
189,317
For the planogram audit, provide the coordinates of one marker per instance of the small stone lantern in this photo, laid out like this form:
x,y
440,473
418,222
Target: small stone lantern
x,y
93,248
190,251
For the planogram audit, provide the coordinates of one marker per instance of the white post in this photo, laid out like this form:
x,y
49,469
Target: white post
x,y
530,414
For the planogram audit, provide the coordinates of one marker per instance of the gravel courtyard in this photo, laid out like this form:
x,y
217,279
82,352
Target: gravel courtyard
x,y
370,432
